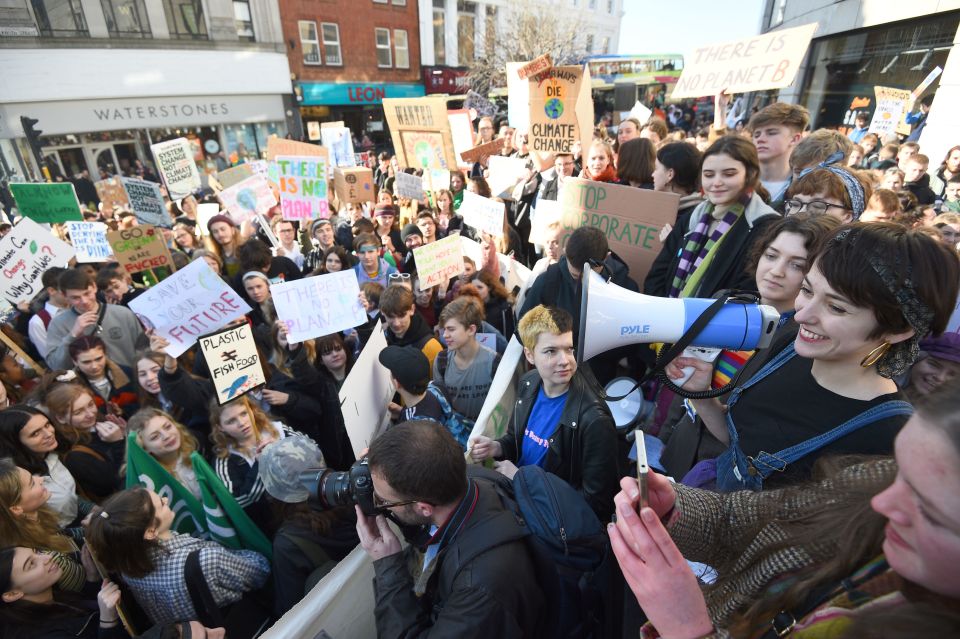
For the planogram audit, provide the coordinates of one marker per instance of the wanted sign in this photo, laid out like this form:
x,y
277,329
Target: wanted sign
x,y
233,360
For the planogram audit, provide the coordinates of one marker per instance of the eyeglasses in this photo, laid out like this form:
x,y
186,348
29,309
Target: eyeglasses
x,y
402,277
380,504
817,207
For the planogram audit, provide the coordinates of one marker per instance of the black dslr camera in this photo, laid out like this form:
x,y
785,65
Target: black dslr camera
x,y
332,488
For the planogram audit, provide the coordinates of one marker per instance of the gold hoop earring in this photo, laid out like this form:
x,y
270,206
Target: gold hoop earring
x,y
874,356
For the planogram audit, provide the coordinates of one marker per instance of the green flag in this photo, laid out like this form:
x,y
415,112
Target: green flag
x,y
225,519
144,470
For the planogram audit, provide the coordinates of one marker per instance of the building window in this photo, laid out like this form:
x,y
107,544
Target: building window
x,y
610,7
402,48
779,10
593,4
241,13
126,18
60,18
439,32
185,19
384,55
466,30
606,45
588,47
380,1
331,43
399,3
309,43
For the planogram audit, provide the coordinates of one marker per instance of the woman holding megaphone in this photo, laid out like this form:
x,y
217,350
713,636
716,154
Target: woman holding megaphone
x,y
873,292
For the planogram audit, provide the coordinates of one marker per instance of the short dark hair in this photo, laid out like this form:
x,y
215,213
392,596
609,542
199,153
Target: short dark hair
x,y
363,225
585,244
51,276
814,229
85,343
74,279
254,255
396,300
684,160
372,291
636,161
107,275
404,452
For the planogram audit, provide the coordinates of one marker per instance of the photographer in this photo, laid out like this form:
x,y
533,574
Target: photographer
x,y
446,517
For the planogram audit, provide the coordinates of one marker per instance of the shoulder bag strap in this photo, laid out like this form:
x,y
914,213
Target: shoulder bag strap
x,y
203,602
766,463
86,450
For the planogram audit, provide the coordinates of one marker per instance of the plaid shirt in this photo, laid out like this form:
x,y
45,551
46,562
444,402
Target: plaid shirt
x,y
163,593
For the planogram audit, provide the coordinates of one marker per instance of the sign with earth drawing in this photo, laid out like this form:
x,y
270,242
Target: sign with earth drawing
x,y
561,109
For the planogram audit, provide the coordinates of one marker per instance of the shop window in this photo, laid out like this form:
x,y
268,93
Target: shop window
x,y
384,55
126,18
241,14
402,48
331,43
439,32
60,18
185,19
309,42
466,30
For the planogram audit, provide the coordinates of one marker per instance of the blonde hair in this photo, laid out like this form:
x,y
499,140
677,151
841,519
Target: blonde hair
x,y
59,401
222,441
43,533
188,443
543,319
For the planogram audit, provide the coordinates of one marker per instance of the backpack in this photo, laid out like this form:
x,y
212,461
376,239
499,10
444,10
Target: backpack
x,y
569,547
458,425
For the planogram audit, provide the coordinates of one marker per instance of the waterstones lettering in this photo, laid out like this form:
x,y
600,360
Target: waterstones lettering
x,y
162,111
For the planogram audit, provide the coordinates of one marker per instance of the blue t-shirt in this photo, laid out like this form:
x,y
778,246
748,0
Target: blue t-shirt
x,y
541,425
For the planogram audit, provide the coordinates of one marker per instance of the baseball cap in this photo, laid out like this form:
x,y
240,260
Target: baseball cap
x,y
407,363
281,464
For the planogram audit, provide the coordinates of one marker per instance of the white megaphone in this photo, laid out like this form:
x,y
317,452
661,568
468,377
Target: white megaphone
x,y
611,316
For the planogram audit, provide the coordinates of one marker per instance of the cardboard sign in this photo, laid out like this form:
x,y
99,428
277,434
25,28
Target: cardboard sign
x,y
411,186
89,240
248,198
146,202
482,213
768,61
891,104
505,174
192,302
630,218
234,363
339,142
279,146
461,129
26,252
319,305
205,211
482,151
498,406
303,187
480,104
365,394
111,193
535,66
53,202
140,248
561,110
420,132
546,213
518,97
438,261
353,185
176,165
438,179
234,175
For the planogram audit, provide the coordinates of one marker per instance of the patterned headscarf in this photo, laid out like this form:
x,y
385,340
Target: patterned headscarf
x,y
852,184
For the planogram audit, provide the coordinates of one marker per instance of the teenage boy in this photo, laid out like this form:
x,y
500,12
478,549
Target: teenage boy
x,y
370,266
917,180
115,286
286,232
56,302
558,423
777,129
410,373
404,326
465,371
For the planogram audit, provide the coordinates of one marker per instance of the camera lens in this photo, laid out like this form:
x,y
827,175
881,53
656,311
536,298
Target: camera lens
x,y
334,489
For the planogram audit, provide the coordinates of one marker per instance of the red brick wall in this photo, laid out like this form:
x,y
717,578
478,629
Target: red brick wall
x,y
357,20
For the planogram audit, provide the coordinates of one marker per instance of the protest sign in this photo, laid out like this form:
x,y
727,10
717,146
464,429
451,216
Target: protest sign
x,y
353,185
438,179
535,66
480,104
365,394
192,302
339,142
546,213
89,240
630,218
561,109
141,248
318,305
248,198
53,202
505,174
234,363
482,213
146,202
281,146
640,112
205,211
767,61
518,97
488,340
303,187
176,164
111,193
407,185
498,406
420,132
25,253
515,276
234,175
482,151
891,104
438,261
313,131
461,130
472,249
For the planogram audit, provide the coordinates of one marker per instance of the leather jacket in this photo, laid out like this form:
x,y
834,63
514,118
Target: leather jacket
x,y
583,449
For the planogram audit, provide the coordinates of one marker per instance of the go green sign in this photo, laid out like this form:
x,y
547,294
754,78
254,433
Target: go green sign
x,y
53,203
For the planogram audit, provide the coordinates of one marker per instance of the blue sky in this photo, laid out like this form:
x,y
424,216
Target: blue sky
x,y
677,26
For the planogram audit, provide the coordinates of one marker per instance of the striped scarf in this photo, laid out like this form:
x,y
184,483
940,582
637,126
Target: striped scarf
x,y
699,244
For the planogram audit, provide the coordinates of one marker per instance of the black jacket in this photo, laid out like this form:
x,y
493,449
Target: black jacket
x,y
468,595
660,277
499,313
921,188
583,450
